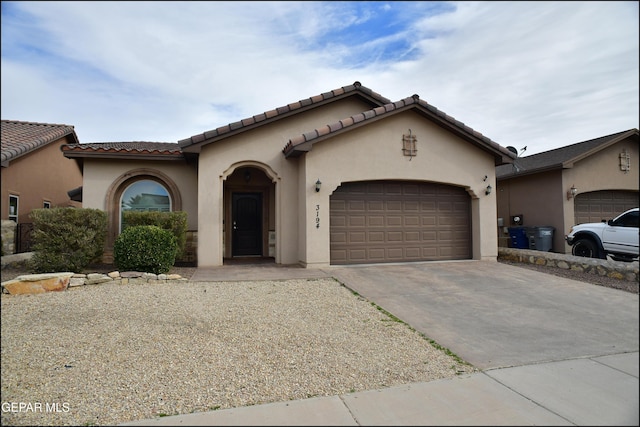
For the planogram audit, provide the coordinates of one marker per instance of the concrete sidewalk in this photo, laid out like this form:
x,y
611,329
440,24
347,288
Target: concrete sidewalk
x,y
552,351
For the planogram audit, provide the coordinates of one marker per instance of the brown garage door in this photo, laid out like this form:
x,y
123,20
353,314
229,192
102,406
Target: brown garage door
x,y
598,205
391,221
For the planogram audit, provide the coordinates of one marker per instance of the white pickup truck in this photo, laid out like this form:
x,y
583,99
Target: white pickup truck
x,y
617,238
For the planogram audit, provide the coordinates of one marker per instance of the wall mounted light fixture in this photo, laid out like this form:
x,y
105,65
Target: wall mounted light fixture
x,y
318,184
487,191
572,192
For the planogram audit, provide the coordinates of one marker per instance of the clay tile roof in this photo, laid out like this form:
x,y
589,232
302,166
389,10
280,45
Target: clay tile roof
x,y
303,143
562,157
20,138
283,111
138,149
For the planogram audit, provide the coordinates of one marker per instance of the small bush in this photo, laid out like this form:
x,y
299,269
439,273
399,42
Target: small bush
x,y
66,239
146,248
176,222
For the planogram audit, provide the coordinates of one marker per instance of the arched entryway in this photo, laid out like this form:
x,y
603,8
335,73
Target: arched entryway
x,y
249,219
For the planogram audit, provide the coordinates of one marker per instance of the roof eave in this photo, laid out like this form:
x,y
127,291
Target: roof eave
x,y
188,145
558,166
121,156
570,162
500,156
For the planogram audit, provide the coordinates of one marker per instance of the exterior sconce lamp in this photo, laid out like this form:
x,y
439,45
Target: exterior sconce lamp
x,y
487,191
572,192
247,175
318,184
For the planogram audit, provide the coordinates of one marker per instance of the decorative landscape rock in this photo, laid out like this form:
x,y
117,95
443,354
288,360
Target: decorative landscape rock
x,y
37,283
51,282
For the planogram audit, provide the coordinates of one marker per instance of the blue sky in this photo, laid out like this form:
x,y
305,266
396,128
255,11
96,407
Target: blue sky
x,y
536,74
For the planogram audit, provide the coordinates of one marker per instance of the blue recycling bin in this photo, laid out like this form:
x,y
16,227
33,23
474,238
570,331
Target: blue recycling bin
x,y
519,238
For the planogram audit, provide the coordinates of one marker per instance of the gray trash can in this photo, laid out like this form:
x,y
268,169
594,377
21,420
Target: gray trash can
x,y
540,238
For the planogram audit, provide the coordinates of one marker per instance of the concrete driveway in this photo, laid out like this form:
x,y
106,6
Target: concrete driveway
x,y
496,315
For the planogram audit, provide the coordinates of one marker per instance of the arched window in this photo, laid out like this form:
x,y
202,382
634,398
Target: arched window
x,y
144,196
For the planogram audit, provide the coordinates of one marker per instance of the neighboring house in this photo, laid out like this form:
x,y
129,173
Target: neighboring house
x,y
344,177
584,182
35,174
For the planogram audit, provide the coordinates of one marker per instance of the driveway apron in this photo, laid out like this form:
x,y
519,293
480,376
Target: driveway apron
x,y
496,315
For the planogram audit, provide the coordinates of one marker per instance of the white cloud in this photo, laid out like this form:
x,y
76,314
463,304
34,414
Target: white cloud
x,y
541,74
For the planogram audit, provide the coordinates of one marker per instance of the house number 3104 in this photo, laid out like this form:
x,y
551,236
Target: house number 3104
x,y
317,216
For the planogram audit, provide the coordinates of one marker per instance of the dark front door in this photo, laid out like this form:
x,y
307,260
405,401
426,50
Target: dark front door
x,y
247,224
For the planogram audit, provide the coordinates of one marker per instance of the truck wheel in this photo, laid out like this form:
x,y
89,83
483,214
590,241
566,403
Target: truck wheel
x,y
586,248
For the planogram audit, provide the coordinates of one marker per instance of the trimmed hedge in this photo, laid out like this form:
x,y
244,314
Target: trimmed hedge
x,y
66,239
176,222
145,248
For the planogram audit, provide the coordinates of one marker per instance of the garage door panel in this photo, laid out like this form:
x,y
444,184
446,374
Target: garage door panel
x,y
394,236
357,221
394,206
339,256
428,206
376,236
399,221
412,221
376,254
375,220
356,237
429,220
375,205
412,236
411,206
607,204
338,237
394,221
355,205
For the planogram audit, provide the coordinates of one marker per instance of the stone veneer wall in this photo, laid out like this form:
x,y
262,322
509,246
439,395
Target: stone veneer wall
x,y
601,267
8,237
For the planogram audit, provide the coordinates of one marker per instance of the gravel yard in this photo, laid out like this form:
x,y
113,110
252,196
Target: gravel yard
x,y
107,354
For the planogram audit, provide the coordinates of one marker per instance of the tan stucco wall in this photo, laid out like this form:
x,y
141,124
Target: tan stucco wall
x,y
42,175
371,152
99,177
262,149
105,179
375,152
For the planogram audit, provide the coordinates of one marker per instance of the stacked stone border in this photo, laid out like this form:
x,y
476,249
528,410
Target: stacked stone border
x,y
614,269
52,282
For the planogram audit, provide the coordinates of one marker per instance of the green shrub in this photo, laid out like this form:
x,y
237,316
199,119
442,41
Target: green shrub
x,y
66,239
176,222
146,248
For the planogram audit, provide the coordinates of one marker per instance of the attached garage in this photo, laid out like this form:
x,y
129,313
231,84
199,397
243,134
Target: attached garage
x,y
399,221
595,206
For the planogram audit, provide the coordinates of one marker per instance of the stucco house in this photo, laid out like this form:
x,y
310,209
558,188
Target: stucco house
x,y
34,174
343,177
583,182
